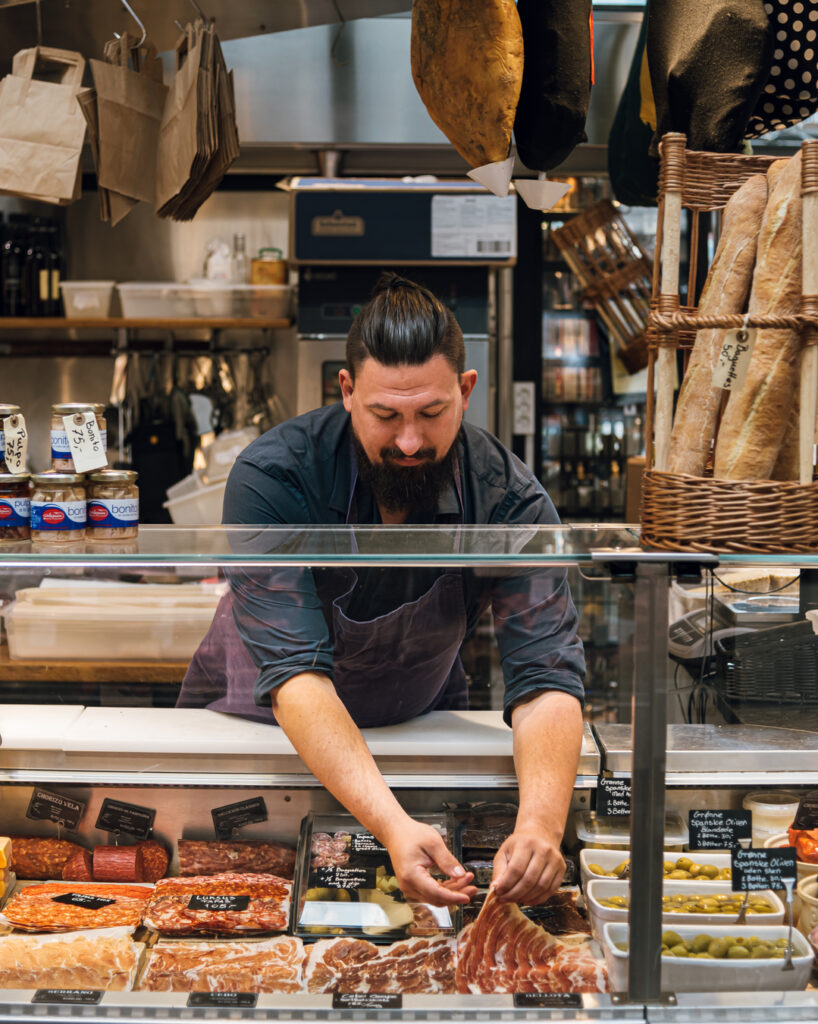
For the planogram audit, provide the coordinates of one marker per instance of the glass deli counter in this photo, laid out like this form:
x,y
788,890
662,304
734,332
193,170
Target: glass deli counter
x,y
166,862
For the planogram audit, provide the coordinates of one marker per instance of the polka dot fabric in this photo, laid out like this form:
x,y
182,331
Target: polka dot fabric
x,y
791,91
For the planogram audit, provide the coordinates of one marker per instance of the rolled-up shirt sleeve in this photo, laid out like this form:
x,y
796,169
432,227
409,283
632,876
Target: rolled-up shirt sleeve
x,y
535,620
277,611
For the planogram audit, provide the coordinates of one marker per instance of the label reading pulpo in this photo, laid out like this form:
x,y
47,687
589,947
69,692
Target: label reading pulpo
x,y
113,512
58,515
14,511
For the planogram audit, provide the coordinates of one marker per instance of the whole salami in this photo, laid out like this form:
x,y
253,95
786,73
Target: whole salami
x,y
118,864
252,856
40,858
155,859
78,867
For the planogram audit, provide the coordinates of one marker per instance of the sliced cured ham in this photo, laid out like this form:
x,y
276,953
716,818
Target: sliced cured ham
x,y
272,965
502,951
106,959
425,965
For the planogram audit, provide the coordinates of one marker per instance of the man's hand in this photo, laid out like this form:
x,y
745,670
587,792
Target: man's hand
x,y
528,867
416,848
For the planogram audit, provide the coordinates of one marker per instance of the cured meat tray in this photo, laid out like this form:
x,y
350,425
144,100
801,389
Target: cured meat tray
x,y
345,885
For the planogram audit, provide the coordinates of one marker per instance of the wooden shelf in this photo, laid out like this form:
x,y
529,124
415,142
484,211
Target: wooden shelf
x,y
14,323
30,671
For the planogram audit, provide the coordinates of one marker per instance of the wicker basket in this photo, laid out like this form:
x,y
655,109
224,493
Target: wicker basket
x,y
777,665
687,513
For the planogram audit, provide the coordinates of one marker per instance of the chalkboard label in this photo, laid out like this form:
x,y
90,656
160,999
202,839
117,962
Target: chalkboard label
x,y
215,902
806,817
81,899
230,817
613,797
222,999
560,1000
366,1001
365,842
46,805
762,869
341,876
719,830
133,820
89,996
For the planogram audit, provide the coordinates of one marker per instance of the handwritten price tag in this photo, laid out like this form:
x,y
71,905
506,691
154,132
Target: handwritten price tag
x,y
85,441
734,358
15,443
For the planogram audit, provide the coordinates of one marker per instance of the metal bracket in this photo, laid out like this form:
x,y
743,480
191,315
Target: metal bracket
x,y
621,564
665,999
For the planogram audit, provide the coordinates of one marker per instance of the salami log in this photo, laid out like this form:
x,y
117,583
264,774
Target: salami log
x,y
78,867
40,858
155,860
201,857
118,864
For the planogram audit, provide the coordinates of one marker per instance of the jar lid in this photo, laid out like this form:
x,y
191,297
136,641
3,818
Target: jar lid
x,y
113,476
56,479
9,410
8,478
66,408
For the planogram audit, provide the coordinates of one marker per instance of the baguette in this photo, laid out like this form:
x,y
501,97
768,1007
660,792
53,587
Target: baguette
x,y
725,291
755,420
787,466
467,64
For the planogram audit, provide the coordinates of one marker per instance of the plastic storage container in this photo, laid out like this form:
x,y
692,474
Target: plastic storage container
x,y
220,456
272,301
613,833
212,298
773,813
605,888
156,299
197,506
136,622
345,884
88,300
690,974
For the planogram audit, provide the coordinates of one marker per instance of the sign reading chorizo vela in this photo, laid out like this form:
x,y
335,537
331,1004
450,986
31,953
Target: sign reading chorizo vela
x,y
718,829
46,805
755,870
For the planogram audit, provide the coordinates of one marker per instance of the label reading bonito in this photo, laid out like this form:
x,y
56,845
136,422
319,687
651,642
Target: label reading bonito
x,y
734,358
85,442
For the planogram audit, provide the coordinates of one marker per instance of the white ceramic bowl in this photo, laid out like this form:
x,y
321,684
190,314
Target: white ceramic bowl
x,y
604,888
610,859
692,975
804,870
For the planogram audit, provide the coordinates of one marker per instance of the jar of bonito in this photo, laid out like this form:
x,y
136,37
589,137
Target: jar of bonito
x,y
57,507
5,411
113,505
61,460
15,506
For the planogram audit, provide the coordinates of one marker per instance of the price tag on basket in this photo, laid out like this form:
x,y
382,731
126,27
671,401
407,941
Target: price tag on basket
x,y
85,441
734,358
15,444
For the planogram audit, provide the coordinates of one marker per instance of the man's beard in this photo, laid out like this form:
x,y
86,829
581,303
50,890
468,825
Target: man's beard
x,y
401,488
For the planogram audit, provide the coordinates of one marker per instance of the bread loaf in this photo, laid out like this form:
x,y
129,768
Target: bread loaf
x,y
787,465
467,63
755,420
725,291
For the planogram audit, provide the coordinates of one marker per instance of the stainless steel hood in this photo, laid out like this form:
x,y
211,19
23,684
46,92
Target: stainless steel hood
x,y
307,82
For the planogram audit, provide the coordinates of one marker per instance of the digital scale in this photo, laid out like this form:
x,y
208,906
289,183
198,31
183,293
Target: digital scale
x,y
689,636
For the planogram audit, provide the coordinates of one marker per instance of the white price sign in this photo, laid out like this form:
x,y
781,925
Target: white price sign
x,y
85,441
15,443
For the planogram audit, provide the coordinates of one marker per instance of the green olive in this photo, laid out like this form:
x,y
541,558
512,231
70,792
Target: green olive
x,y
718,948
679,873
738,952
761,952
701,943
671,939
595,869
680,950
684,863
668,866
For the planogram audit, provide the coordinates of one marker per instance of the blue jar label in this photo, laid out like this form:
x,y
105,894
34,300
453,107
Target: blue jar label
x,y
58,515
14,511
113,512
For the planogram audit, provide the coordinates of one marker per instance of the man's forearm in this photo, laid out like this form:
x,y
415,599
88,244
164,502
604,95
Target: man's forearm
x,y
319,726
547,745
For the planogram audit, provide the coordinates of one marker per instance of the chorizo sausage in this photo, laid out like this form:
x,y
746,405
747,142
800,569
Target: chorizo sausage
x,y
39,857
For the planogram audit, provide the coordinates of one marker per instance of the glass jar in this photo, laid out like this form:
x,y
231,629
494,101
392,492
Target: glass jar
x,y
61,461
15,506
57,507
113,505
5,410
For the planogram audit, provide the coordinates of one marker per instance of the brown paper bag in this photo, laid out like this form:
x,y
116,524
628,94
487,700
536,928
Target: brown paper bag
x,y
178,136
130,105
42,127
112,205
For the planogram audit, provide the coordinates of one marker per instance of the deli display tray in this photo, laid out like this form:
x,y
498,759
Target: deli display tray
x,y
733,749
